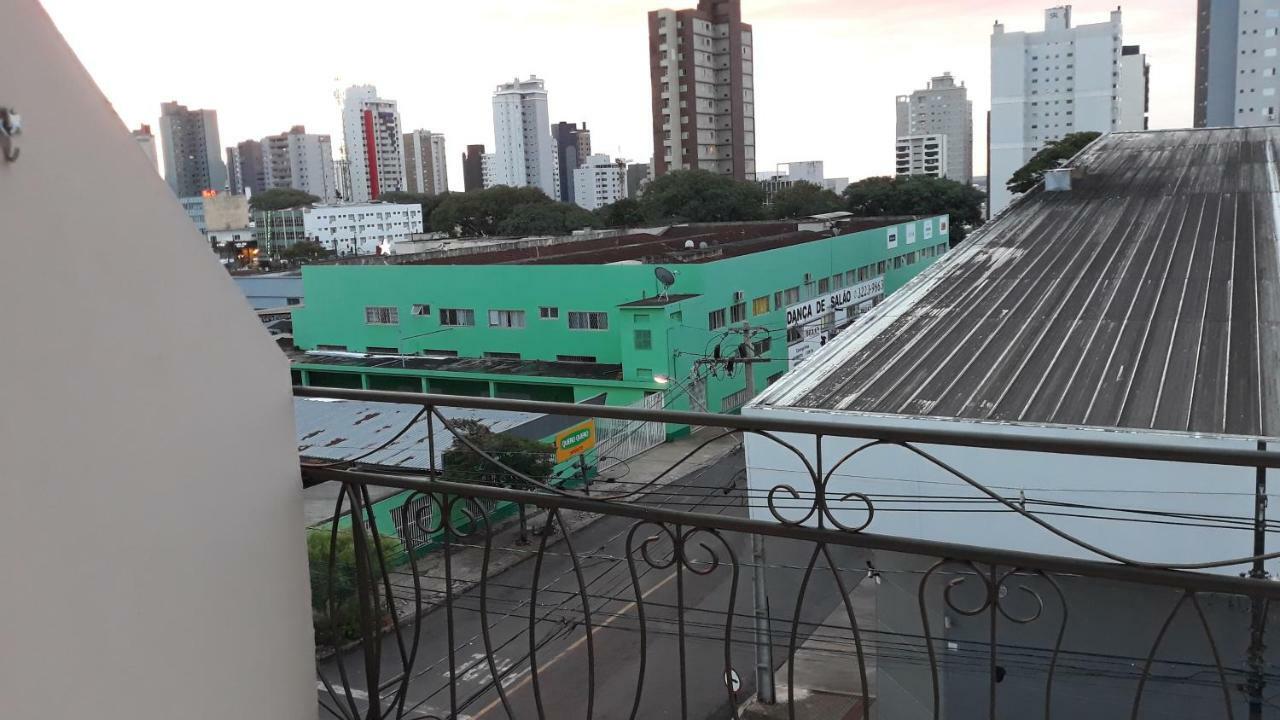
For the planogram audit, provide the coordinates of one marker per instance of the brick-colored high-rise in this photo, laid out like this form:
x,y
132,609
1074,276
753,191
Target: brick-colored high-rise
x,y
701,67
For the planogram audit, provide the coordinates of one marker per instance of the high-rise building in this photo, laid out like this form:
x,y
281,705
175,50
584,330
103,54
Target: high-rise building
x,y
1045,85
299,160
599,182
192,151
425,163
487,163
638,175
524,151
1236,47
701,66
573,147
245,169
1135,90
374,143
473,168
939,117
147,142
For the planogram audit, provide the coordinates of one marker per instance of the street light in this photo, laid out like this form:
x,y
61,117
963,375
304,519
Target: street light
x,y
661,379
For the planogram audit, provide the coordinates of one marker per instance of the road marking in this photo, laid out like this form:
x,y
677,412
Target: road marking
x,y
340,691
577,644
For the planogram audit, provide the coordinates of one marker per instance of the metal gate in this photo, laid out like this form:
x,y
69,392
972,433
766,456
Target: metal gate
x,y
621,440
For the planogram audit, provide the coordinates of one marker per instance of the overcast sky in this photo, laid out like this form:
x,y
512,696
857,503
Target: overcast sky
x,y
827,71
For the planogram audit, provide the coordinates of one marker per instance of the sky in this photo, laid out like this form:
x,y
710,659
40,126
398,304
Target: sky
x,y
827,71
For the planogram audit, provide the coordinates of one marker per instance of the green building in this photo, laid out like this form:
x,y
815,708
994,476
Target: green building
x,y
583,318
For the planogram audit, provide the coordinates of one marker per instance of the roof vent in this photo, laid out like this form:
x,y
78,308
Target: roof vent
x,y
1057,180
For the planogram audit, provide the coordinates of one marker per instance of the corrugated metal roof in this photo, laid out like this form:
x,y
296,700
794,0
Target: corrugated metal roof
x,y
1145,298
344,429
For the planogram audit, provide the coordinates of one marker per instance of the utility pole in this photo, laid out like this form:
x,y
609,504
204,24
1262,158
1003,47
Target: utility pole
x,y
1255,685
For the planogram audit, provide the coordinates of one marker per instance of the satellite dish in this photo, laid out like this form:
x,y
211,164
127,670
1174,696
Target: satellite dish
x,y
666,278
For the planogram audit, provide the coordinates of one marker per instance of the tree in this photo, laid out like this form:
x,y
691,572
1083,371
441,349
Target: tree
x,y
1052,156
341,622
281,199
480,213
918,195
626,212
701,196
305,251
803,199
429,203
463,465
553,218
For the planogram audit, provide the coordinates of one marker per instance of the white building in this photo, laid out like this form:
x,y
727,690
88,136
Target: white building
x,y
147,142
1237,44
374,143
301,161
790,173
1135,90
940,115
359,229
425,163
524,150
599,182
487,161
1048,84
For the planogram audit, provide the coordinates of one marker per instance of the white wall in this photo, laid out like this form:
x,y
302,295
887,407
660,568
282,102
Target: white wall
x,y
886,471
151,529
360,229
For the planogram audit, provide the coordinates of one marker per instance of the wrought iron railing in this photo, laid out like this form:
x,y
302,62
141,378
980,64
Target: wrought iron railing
x,y
636,602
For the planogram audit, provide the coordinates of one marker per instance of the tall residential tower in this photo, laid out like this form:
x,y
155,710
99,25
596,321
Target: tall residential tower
x,y
573,147
935,131
701,67
524,151
374,144
192,151
1237,42
300,160
425,163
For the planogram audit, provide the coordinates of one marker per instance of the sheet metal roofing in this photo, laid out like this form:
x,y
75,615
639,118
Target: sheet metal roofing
x,y
484,366
1143,298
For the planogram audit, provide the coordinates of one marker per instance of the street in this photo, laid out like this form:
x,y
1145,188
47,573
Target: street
x,y
565,683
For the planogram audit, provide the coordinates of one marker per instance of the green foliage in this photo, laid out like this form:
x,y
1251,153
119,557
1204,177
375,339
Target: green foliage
x,y
701,196
1031,174
546,219
429,203
803,199
341,588
918,195
461,464
480,213
624,213
281,199
305,251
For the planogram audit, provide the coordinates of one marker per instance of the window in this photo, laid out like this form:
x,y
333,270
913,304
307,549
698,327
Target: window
x,y
881,267
777,300
824,286
588,321
457,317
738,312
502,356
381,316
715,319
761,348
293,301
791,296
506,319
576,358
421,310
438,353
760,305
644,339
331,348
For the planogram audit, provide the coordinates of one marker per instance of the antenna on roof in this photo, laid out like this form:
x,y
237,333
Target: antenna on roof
x,y
666,278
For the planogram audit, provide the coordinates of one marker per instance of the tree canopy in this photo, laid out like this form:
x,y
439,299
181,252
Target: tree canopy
x,y
429,203
1052,156
803,199
481,213
281,199
626,212
461,464
305,251
699,196
918,195
553,218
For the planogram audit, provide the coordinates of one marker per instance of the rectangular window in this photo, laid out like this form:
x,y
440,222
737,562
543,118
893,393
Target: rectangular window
x,y
331,348
761,347
881,267
506,319
377,350
791,296
738,312
644,339
381,316
588,321
502,356
549,313
715,319
438,353
824,286
853,276
777,299
760,305
837,281
457,317
421,310
576,358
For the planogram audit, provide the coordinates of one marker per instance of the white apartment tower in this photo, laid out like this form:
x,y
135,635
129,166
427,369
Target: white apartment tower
x,y
374,144
935,131
1045,85
425,161
524,150
599,182
300,160
1237,44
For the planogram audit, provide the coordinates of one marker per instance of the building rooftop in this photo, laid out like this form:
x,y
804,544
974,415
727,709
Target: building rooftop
x,y
484,366
1145,297
658,301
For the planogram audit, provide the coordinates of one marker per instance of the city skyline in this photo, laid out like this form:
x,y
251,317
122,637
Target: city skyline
x,y
799,115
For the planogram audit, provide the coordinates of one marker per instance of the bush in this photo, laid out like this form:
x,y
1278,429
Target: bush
x,y
345,623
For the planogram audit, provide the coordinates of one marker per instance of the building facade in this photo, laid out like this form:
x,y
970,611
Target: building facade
x,y
638,175
1135,90
573,147
788,174
473,168
224,211
524,151
246,172
701,67
361,229
1048,84
599,182
941,111
299,160
1236,54
147,143
374,144
425,163
275,230
192,150
597,321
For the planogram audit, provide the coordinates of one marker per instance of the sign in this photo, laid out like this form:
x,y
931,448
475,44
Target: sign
x,y
732,680
810,325
575,441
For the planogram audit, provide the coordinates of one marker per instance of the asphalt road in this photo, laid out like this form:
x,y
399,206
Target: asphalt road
x,y
562,647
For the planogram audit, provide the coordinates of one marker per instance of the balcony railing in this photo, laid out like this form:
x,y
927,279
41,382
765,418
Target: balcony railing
x,y
656,593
